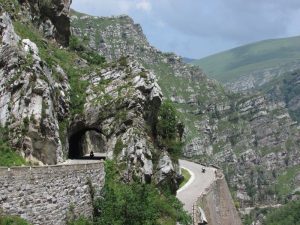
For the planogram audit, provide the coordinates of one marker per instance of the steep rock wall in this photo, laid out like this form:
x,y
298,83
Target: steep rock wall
x,y
32,100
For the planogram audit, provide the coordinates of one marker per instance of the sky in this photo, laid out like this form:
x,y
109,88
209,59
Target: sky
x,y
198,28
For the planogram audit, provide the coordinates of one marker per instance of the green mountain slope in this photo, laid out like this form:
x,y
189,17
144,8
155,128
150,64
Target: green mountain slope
x,y
254,58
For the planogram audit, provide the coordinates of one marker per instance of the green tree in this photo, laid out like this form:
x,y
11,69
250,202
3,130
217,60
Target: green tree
x,y
167,120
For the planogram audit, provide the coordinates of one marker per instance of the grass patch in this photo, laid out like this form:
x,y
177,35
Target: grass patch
x,y
185,173
12,220
230,65
8,157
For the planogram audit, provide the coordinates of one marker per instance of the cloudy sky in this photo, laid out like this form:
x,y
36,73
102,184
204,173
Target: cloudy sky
x,y
197,28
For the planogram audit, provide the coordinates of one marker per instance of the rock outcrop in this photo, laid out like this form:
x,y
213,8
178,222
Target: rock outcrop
x,y
50,16
56,105
32,101
121,109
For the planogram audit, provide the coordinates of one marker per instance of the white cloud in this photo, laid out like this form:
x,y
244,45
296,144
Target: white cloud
x,y
144,5
124,6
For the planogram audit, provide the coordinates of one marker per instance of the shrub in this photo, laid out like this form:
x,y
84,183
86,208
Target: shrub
x,y
93,57
45,4
135,203
8,156
123,61
75,44
167,120
287,214
118,147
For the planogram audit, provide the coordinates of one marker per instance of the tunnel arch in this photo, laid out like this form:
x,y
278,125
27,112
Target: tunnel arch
x,y
84,140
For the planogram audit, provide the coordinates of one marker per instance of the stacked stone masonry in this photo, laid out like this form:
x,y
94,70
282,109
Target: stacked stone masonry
x,y
50,195
217,204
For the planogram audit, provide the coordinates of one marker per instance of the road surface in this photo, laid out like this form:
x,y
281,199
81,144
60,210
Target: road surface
x,y
86,159
199,181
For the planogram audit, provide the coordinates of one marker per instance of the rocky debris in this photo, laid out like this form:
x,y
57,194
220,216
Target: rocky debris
x,y
32,101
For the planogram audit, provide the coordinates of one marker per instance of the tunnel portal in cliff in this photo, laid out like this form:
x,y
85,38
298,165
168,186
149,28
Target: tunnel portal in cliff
x,y
82,142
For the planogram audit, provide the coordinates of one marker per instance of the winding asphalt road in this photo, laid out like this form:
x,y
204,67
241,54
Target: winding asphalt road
x,y
198,182
190,192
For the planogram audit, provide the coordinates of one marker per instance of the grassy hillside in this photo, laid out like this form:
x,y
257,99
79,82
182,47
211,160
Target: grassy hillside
x,y
230,65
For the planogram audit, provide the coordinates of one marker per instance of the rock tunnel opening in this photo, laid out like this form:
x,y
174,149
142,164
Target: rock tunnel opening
x,y
84,141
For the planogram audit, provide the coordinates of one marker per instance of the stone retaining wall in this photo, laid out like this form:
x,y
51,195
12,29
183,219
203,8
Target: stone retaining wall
x,y
217,204
49,195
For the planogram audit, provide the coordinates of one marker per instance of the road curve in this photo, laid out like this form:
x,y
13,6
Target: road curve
x,y
189,193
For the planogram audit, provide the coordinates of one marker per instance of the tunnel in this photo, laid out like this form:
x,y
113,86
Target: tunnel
x,y
82,142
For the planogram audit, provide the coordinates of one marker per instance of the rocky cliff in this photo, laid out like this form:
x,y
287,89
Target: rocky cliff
x,y
58,103
32,100
50,16
252,137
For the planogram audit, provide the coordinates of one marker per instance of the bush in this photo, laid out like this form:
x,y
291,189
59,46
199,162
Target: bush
x,y
167,120
288,214
123,61
174,147
135,203
118,147
93,57
45,4
8,156
75,44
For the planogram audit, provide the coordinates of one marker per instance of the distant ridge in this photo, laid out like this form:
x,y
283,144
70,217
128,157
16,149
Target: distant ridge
x,y
188,60
278,55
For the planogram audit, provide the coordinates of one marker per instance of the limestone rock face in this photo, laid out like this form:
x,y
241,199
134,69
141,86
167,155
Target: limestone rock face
x,y
254,141
31,99
50,16
120,104
121,108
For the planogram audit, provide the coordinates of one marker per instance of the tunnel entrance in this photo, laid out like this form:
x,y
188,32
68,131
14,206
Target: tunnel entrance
x,y
84,141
